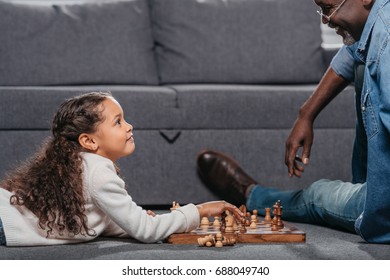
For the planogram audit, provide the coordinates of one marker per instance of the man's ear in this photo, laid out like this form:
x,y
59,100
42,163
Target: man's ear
x,y
88,142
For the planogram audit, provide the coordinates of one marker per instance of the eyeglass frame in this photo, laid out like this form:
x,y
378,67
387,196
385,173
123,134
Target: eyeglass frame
x,y
328,17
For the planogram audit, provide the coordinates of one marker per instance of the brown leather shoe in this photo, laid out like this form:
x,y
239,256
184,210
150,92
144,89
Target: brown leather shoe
x,y
224,176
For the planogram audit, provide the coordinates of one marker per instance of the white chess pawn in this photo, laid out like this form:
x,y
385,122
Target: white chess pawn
x,y
253,221
256,213
207,241
216,222
218,238
204,222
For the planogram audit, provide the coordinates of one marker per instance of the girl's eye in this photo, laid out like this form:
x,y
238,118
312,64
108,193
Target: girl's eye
x,y
118,122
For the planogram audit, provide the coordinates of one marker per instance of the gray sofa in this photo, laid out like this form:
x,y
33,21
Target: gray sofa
x,y
190,75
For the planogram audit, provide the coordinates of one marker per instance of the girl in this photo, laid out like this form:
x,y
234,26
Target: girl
x,y
70,192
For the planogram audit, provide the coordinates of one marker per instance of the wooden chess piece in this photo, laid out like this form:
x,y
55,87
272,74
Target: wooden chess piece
x,y
267,218
223,222
280,213
243,225
256,213
253,224
274,227
248,219
218,238
229,241
204,223
216,222
229,222
235,225
279,223
208,241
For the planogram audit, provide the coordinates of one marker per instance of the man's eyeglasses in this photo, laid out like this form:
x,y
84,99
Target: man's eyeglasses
x,y
327,17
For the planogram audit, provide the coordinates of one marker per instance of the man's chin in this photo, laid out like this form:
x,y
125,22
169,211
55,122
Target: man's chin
x,y
348,41
347,38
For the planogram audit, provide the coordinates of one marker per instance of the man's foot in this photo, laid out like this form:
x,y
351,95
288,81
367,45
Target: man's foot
x,y
224,176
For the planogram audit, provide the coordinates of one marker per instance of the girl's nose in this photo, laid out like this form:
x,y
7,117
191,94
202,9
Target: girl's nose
x,y
130,127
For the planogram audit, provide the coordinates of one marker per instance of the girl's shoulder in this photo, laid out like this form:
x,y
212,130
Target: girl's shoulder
x,y
94,157
99,172
93,162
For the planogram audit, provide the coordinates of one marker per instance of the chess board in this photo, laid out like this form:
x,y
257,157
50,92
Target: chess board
x,y
261,234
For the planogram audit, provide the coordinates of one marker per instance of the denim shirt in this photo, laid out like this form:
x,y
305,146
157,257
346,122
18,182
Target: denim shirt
x,y
344,61
373,49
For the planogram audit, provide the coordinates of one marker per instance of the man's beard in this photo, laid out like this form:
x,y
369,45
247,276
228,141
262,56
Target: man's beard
x,y
347,37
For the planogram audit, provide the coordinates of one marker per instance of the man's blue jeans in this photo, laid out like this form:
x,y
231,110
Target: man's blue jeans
x,y
331,203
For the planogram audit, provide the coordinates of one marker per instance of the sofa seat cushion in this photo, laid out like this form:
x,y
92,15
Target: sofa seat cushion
x,y
34,107
253,107
86,43
237,41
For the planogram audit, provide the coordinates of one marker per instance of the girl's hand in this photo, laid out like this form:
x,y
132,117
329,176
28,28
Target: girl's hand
x,y
216,208
151,213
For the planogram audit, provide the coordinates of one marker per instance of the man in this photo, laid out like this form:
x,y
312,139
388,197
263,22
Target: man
x,y
362,205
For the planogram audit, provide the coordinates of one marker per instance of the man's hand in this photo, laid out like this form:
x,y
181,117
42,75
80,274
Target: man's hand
x,y
301,135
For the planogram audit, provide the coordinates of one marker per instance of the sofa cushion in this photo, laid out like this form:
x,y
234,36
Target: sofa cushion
x,y
87,43
256,106
29,108
237,41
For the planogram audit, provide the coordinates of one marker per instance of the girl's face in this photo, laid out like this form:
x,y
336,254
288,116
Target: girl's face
x,y
114,136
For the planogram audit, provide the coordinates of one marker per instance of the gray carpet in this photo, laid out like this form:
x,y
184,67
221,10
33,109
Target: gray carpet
x,y
321,244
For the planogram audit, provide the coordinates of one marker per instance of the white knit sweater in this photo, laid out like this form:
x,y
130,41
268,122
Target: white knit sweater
x,y
109,208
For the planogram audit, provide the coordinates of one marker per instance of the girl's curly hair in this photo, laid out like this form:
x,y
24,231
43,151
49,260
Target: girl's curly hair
x,y
50,184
